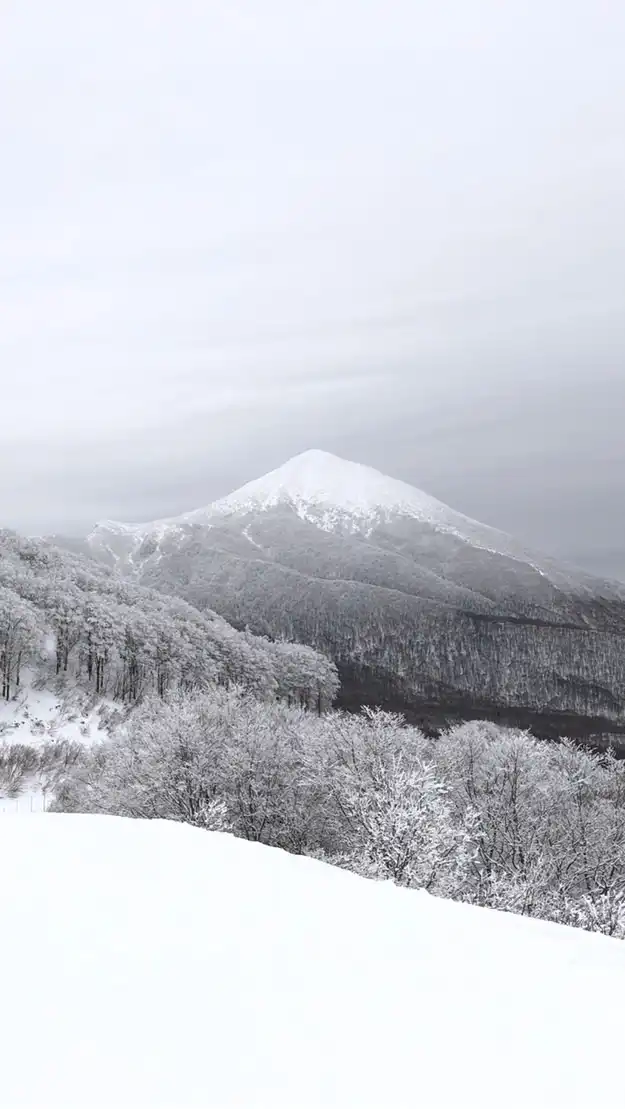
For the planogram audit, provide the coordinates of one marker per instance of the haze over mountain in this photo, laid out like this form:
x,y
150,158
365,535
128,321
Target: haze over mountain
x,y
421,608
426,274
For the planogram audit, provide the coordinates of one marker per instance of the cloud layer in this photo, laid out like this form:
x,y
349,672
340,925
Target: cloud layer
x,y
232,230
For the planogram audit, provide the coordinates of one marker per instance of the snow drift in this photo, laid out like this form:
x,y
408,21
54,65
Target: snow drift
x,y
150,964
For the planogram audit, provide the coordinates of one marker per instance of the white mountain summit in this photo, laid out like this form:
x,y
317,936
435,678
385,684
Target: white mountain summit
x,y
327,489
330,492
324,489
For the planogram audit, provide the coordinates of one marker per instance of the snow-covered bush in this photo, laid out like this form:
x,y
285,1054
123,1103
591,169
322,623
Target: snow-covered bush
x,y
17,762
602,913
397,819
47,765
551,821
484,814
177,758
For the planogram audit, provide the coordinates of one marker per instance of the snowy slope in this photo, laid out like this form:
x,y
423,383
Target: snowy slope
x,y
152,964
37,716
338,495
30,800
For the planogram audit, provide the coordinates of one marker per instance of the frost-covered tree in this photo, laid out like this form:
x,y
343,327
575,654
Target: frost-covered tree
x,y
305,677
398,821
20,632
179,758
551,827
120,639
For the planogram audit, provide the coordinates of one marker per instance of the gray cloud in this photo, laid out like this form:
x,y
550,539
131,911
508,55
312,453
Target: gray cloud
x,y
231,231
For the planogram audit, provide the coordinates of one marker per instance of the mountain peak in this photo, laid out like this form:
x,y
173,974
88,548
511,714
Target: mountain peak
x,y
334,495
324,489
322,485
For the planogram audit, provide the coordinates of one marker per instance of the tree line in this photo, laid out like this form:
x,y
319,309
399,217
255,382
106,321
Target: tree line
x,y
420,648
71,618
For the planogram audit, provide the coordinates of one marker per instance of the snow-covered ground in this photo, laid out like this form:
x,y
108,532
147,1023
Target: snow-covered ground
x,y
152,964
29,801
36,716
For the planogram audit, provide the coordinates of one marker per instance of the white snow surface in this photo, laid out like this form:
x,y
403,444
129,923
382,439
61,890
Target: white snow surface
x,y
36,716
317,480
152,964
31,800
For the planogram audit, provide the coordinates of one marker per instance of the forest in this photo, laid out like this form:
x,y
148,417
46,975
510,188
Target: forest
x,y
68,619
415,650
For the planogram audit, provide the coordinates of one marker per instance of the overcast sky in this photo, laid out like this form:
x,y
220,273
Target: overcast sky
x,y
231,230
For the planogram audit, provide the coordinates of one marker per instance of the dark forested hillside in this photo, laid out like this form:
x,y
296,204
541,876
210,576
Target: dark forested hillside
x,y
412,637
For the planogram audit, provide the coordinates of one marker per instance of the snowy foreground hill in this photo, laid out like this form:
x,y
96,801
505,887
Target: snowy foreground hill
x,y
151,964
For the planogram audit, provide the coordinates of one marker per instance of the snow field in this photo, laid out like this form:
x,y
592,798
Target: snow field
x,y
153,964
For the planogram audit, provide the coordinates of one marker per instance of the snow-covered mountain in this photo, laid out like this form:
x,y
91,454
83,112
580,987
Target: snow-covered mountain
x,y
319,486
416,603
329,492
334,495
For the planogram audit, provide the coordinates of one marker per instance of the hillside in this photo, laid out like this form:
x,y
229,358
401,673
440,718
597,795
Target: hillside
x,y
422,609
68,624
187,968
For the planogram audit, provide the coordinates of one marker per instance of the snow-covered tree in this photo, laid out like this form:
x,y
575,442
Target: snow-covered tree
x,y
20,633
